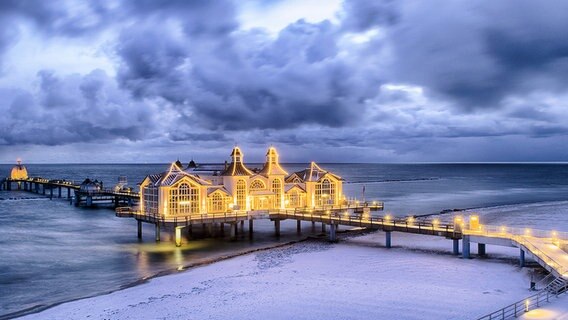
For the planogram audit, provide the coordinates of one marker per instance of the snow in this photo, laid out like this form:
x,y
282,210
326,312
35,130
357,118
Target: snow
x,y
356,278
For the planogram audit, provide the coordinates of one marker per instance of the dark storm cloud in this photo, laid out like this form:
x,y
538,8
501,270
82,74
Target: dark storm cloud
x,y
186,71
478,53
241,81
73,109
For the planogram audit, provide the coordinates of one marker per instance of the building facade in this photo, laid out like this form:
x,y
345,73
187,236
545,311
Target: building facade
x,y
199,190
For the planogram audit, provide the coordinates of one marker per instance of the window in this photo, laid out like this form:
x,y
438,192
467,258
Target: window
x,y
296,199
241,195
297,180
277,189
325,193
217,203
257,184
184,200
150,196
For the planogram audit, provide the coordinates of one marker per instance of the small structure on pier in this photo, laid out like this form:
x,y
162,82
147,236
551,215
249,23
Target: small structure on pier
x,y
91,186
19,171
179,192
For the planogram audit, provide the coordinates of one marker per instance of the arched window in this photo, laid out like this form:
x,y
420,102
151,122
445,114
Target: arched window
x,y
241,195
257,184
277,189
325,193
295,198
218,204
184,200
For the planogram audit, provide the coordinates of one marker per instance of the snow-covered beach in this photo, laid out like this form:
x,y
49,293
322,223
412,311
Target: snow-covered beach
x,y
356,278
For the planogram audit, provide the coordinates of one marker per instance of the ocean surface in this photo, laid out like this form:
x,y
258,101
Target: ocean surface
x,y
52,252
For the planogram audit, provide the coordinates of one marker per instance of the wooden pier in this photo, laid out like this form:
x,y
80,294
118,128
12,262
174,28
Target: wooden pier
x,y
545,247
71,191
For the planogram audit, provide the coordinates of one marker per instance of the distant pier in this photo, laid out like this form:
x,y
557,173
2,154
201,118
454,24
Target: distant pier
x,y
73,192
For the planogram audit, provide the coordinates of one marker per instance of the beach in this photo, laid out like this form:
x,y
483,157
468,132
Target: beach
x,y
357,278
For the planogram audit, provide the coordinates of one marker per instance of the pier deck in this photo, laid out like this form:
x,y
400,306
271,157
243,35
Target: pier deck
x,y
543,246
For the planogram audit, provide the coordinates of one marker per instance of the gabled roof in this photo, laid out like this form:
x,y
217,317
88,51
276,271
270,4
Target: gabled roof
x,y
211,190
313,173
173,176
289,187
237,167
291,177
272,165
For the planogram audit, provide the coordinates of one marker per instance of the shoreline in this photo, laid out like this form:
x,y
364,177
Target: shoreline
x,y
416,262
191,266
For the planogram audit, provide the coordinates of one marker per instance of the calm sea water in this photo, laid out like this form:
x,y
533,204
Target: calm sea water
x,y
51,252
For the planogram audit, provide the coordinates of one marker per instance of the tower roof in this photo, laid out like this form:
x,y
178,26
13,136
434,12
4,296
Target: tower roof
x,y
272,164
237,167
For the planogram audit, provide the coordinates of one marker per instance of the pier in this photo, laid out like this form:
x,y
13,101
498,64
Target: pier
x,y
545,247
57,188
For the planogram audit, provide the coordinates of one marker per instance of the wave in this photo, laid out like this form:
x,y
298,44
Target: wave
x,y
390,180
23,198
520,205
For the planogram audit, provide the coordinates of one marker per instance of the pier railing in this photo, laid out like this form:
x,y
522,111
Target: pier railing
x,y
523,237
516,309
232,216
512,231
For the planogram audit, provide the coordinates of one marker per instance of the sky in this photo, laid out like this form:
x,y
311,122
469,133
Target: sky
x,y
151,81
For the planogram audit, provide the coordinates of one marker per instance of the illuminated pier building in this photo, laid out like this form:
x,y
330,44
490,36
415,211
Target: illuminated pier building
x,y
19,171
200,190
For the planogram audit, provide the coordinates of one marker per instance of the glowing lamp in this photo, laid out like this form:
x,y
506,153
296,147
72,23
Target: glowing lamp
x,y
474,222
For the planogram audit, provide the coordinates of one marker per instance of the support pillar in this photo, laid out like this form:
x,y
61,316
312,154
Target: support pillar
x,y
178,236
313,226
323,227
36,185
89,201
233,231
481,249
522,258
465,247
59,192
50,193
332,232
43,189
299,226
68,193
388,238
277,227
242,225
210,229
222,229
251,227
139,229
190,231
157,232
456,250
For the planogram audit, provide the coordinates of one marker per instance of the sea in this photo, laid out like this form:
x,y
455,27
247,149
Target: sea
x,y
52,252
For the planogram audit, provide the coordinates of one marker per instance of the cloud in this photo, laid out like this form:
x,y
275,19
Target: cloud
x,y
74,109
385,76
478,53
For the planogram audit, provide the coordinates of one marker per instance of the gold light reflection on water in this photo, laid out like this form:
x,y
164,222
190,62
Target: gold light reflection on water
x,y
147,253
